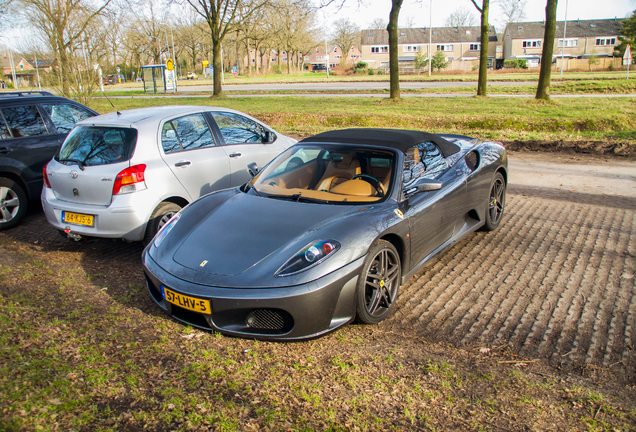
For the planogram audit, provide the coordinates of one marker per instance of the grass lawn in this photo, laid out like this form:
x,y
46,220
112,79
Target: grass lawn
x,y
502,119
84,348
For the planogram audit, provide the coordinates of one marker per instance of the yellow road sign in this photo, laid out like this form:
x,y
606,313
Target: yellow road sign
x,y
169,64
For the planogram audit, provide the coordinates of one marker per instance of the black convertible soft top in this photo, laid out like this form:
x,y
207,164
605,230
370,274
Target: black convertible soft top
x,y
399,139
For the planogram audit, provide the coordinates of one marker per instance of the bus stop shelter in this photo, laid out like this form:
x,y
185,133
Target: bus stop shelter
x,y
154,77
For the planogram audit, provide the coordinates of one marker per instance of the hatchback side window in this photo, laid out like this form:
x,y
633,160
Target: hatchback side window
x,y
64,116
237,129
24,121
186,133
423,160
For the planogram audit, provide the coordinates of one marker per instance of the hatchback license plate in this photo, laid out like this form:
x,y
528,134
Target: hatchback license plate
x,y
78,218
186,302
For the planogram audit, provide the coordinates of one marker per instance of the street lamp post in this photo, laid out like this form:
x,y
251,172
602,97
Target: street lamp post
x,y
565,26
430,34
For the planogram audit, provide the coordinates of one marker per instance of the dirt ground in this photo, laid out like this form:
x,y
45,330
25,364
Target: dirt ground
x,y
552,292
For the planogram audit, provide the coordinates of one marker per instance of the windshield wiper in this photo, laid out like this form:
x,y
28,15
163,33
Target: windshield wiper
x,y
298,198
79,163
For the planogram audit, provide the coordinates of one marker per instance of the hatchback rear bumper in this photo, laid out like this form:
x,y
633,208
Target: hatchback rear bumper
x,y
126,216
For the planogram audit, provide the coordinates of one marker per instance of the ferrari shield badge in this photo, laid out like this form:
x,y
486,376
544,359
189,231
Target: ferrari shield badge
x,y
203,263
399,213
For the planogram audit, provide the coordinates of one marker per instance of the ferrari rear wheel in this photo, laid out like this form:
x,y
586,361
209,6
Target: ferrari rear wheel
x,y
378,284
496,203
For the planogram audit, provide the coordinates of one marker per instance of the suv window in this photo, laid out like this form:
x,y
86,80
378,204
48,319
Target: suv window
x,y
423,160
4,131
99,145
24,121
186,133
64,116
237,129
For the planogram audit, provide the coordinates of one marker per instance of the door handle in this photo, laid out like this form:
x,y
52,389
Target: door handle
x,y
5,150
182,163
458,172
235,155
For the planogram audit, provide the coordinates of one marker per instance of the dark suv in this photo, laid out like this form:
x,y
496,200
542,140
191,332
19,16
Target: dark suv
x,y
115,79
33,125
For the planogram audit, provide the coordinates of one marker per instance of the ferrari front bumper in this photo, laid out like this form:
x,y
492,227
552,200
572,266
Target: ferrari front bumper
x,y
286,314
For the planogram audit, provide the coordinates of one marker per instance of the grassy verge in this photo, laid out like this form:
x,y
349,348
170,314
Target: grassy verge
x,y
506,119
89,352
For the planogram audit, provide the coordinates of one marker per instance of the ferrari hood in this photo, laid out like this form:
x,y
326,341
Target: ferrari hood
x,y
245,229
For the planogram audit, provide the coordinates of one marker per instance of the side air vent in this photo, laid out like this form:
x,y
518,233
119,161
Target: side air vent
x,y
472,160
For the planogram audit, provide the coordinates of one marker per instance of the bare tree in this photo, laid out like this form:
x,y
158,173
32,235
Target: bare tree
x,y
378,24
409,22
294,27
512,11
345,35
223,16
548,49
483,55
460,17
64,23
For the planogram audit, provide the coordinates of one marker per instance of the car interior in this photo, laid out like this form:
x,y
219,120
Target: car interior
x,y
357,175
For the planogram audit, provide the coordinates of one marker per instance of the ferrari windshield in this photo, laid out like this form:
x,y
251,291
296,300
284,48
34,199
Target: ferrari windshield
x,y
327,173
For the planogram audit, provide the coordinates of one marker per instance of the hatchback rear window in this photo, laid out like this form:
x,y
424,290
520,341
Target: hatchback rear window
x,y
98,145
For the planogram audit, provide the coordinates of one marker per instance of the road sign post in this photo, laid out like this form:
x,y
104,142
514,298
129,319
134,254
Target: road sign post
x,y
627,57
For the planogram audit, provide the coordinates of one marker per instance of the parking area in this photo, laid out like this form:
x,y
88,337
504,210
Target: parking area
x,y
556,280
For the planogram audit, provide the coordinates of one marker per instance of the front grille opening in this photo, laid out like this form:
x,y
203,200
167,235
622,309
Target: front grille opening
x,y
269,320
194,318
154,291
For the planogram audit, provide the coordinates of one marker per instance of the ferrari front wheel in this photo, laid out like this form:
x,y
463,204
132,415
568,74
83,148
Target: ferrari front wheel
x,y
496,203
378,284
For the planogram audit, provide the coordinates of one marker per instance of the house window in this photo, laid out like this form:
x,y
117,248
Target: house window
x,y
475,47
446,47
411,48
568,43
533,43
338,56
605,41
379,49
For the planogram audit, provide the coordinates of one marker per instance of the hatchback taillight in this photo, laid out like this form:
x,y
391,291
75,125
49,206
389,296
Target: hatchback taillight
x,y
46,177
130,180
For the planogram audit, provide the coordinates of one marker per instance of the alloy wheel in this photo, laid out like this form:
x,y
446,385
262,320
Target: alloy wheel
x,y
496,206
9,204
381,283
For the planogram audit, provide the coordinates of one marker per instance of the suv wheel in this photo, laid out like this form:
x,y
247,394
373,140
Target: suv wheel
x,y
162,214
13,203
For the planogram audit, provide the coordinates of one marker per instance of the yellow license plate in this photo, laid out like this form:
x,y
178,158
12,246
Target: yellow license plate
x,y
190,303
77,218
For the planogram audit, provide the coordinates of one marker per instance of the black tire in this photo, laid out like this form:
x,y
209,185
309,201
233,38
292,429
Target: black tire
x,y
496,203
13,203
378,284
158,218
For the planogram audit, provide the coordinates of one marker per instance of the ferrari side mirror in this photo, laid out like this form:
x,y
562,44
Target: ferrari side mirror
x,y
252,169
422,185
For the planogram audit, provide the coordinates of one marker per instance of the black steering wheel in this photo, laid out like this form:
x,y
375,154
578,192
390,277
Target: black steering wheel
x,y
379,187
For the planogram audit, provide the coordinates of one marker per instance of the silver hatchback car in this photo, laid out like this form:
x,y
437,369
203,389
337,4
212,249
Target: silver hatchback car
x,y
124,174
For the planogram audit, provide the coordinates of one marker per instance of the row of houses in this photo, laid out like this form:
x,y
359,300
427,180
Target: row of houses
x,y
461,45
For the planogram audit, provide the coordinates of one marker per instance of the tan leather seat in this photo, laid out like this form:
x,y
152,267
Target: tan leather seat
x,y
339,172
355,187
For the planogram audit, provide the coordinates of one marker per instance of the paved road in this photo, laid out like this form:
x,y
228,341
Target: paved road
x,y
556,280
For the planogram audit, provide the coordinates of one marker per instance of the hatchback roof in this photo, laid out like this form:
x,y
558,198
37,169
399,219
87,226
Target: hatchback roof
x,y
151,113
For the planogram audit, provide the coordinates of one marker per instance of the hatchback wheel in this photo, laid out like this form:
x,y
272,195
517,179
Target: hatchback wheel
x,y
378,284
162,214
13,203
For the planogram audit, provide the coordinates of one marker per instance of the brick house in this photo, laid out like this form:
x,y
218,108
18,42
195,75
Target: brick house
x,y
583,38
459,45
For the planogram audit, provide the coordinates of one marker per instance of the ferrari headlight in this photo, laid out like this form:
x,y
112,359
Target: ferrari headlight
x,y
163,232
311,255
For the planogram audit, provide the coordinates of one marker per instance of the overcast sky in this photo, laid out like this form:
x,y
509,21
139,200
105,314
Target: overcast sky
x,y
419,10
